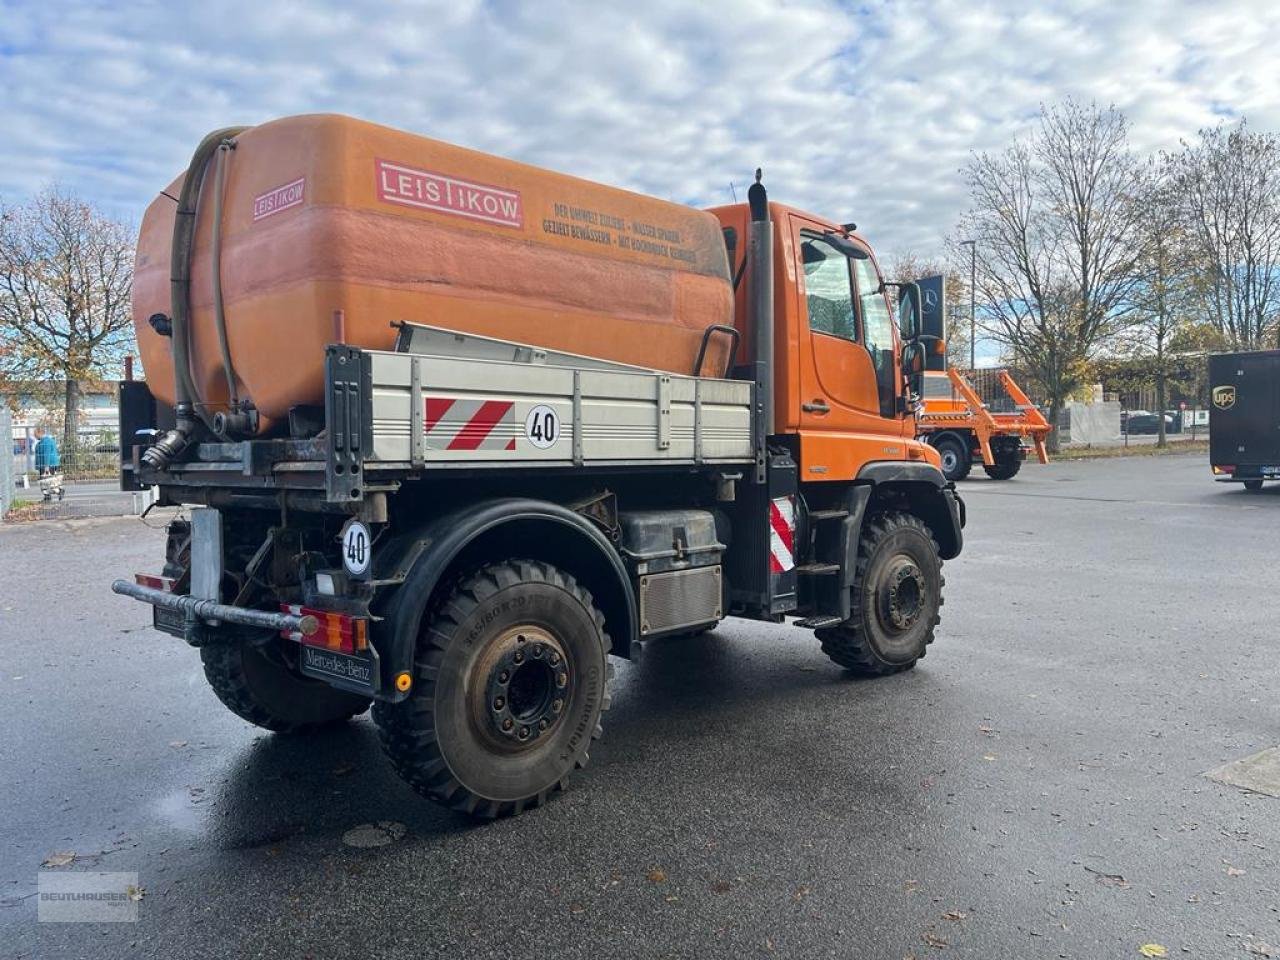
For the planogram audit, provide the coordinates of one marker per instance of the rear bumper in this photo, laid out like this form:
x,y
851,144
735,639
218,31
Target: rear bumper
x,y
1248,471
194,611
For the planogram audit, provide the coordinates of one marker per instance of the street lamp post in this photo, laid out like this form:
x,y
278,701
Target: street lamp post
x,y
973,300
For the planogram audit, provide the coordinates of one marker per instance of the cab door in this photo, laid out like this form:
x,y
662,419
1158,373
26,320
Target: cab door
x,y
849,370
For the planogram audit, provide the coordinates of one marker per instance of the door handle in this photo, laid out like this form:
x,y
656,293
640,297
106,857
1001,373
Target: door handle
x,y
817,406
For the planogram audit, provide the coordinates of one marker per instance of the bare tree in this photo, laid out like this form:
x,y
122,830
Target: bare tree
x,y
1168,277
911,266
1057,223
65,277
1228,187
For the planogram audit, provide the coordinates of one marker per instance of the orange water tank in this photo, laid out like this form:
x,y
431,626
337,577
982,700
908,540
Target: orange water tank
x,y
324,213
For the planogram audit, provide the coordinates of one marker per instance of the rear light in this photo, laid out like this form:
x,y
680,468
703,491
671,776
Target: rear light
x,y
164,584
338,631
1227,468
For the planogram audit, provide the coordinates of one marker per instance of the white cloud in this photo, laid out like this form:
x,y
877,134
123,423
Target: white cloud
x,y
861,112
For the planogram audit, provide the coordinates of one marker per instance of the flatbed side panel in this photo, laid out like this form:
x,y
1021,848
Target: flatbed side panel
x,y
475,411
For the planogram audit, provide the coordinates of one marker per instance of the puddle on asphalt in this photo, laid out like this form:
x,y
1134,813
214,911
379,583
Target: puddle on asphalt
x,y
178,810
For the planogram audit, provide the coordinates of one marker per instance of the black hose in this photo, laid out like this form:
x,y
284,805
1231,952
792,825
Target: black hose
x,y
188,408
219,315
184,231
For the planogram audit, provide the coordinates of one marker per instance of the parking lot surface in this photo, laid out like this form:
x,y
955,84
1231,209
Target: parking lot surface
x,y
1033,789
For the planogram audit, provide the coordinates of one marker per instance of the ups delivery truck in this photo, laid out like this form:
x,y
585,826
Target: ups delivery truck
x,y
1244,422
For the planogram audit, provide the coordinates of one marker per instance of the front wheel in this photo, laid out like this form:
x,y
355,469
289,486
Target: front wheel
x,y
510,679
897,593
956,460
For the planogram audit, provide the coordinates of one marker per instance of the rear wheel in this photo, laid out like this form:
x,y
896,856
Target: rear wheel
x,y
510,679
896,597
258,683
1006,466
1253,486
956,460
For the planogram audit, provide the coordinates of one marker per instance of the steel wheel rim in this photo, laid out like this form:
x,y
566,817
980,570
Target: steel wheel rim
x,y
519,688
902,594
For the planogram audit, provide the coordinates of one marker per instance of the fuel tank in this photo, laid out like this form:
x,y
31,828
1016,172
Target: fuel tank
x,y
326,213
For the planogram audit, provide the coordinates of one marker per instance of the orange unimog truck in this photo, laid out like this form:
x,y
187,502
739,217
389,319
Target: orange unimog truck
x,y
965,431
453,430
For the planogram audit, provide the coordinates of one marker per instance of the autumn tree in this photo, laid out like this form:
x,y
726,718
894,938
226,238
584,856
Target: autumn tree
x,y
1227,185
1057,221
1168,277
65,276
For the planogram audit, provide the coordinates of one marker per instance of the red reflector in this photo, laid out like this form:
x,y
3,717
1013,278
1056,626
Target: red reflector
x,y
154,582
338,631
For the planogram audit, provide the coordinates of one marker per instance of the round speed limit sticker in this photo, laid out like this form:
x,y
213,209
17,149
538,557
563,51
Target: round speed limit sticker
x,y
542,426
357,548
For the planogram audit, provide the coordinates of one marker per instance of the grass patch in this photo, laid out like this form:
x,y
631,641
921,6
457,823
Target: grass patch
x,y
20,510
1136,450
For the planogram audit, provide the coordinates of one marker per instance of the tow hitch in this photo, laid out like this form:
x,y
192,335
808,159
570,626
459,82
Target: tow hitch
x,y
194,610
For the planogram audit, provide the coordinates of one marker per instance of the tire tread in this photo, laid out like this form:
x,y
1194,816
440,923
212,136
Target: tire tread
x,y
408,735
846,644
224,670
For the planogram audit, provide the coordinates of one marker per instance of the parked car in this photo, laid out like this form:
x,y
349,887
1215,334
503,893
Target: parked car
x,y
1147,423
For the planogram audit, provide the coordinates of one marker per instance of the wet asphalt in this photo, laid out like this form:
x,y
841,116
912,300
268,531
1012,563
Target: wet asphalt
x,y
1033,789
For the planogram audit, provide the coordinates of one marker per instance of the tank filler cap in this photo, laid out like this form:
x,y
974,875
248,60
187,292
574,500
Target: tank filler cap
x,y
161,324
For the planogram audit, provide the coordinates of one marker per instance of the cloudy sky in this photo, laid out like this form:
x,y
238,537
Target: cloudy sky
x,y
861,111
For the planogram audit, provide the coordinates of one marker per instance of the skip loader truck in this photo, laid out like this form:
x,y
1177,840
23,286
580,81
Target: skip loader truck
x,y
452,430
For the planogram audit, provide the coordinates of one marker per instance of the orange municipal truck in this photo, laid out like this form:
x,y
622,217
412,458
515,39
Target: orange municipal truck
x,y
453,430
954,419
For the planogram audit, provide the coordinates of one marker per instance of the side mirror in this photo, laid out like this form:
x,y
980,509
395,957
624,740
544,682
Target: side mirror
x,y
909,303
913,358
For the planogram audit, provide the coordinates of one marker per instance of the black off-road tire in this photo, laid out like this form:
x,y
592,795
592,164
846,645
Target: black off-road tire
x,y
1005,467
865,645
443,739
1253,486
956,458
258,684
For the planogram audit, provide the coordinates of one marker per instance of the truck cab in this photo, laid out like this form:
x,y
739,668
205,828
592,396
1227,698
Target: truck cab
x,y
839,386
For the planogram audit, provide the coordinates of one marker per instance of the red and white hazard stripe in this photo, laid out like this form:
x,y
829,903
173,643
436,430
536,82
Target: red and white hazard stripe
x,y
782,534
453,424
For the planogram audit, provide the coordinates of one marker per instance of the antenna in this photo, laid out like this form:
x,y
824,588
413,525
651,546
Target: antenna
x,y
734,191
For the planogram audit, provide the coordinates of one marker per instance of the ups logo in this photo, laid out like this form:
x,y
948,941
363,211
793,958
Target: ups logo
x,y
1224,398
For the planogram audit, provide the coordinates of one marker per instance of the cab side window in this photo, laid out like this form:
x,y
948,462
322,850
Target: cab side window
x,y
877,333
828,288
877,324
